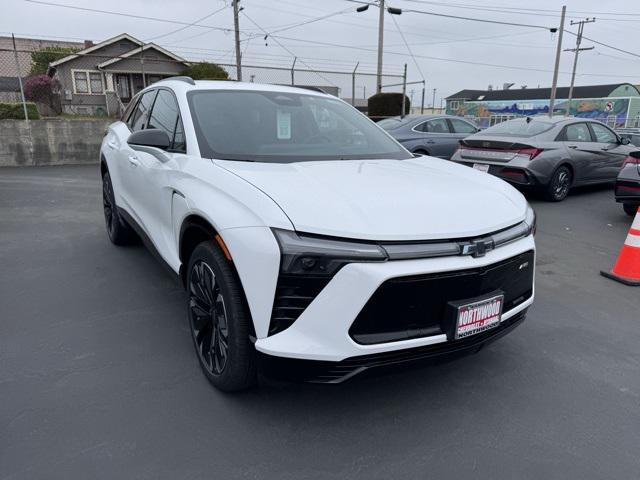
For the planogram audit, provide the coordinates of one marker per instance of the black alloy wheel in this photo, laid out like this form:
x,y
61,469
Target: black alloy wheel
x,y
560,184
120,233
208,317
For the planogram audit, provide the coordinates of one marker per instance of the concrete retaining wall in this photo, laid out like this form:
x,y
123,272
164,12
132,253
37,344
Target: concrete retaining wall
x,y
50,142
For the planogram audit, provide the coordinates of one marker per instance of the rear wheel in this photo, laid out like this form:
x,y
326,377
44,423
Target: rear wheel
x,y
559,185
421,152
630,209
120,233
220,321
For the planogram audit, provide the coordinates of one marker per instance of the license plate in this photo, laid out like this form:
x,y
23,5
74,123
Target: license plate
x,y
478,316
481,166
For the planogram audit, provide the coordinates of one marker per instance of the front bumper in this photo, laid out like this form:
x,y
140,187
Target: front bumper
x,y
321,332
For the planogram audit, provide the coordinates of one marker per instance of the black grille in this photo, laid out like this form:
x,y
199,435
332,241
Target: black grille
x,y
412,307
294,293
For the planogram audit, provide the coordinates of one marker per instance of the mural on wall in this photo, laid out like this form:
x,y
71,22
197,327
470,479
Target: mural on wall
x,y
600,108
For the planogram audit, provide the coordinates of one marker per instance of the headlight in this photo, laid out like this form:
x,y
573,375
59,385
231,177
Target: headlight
x,y
530,220
309,255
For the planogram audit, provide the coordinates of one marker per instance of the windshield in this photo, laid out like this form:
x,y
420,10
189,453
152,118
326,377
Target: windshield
x,y
285,127
519,127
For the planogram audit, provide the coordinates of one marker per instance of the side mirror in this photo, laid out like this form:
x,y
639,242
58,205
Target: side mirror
x,y
624,141
152,137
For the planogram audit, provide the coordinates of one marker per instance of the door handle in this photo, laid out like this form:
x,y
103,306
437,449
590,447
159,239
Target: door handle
x,y
111,144
605,149
572,146
431,141
133,160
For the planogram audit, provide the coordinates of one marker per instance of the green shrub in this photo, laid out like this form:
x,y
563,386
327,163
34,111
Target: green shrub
x,y
387,105
41,59
206,71
14,111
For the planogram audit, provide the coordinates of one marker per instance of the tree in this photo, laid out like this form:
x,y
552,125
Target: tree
x,y
206,71
41,59
387,105
43,89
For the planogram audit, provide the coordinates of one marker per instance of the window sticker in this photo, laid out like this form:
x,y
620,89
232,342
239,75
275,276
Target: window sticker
x,y
284,125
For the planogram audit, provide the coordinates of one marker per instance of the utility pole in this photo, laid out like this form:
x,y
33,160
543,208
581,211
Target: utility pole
x,y
236,25
433,102
380,46
577,51
554,84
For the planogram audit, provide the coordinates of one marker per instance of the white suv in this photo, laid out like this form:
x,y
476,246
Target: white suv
x,y
308,240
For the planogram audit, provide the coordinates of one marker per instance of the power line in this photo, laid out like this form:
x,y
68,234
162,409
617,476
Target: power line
x,y
393,17
605,45
313,20
472,19
187,26
285,48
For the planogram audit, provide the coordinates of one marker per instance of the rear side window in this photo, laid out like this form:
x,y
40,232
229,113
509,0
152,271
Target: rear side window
x,y
140,115
519,127
438,125
460,126
578,132
166,116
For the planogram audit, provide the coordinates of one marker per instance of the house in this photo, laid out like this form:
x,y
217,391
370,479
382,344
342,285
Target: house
x,y
9,72
102,79
615,104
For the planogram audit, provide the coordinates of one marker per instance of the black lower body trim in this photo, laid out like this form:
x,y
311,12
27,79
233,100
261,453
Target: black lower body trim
x,y
148,243
338,372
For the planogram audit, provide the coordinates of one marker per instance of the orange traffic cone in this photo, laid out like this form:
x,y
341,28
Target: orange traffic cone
x,y
627,268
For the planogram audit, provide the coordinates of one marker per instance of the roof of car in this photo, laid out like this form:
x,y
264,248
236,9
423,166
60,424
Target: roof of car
x,y
233,85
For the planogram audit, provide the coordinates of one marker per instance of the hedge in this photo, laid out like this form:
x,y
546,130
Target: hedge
x,y
387,105
14,111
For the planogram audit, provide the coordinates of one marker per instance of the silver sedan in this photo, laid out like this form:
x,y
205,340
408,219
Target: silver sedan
x,y
434,135
548,154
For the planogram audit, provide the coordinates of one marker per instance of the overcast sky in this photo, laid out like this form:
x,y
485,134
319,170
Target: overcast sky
x,y
519,55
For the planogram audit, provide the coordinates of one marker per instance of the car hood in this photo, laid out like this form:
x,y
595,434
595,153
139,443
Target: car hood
x,y
417,199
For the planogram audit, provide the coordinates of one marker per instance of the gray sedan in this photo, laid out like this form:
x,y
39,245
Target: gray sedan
x,y
549,154
435,135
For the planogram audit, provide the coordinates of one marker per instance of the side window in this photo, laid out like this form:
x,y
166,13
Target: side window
x,y
140,115
577,132
127,115
166,116
460,126
438,125
603,134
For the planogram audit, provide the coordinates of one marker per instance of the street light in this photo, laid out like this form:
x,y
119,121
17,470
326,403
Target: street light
x,y
392,11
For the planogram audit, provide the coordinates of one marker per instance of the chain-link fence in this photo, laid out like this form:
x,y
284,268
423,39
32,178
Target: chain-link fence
x,y
62,80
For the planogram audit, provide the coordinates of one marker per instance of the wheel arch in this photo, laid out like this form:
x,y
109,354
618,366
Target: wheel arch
x,y
103,165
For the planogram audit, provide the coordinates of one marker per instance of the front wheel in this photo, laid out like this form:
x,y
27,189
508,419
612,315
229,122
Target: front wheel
x,y
559,185
630,209
219,319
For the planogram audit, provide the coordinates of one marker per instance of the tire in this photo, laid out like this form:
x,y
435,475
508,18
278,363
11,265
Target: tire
x,y
120,233
219,320
420,152
630,209
559,185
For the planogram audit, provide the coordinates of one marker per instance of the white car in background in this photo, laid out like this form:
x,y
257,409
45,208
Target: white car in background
x,y
308,240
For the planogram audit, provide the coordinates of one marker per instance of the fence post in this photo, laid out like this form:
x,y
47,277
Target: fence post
x,y
424,85
15,56
293,69
353,85
404,89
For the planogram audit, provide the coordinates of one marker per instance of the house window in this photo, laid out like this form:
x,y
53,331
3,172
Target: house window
x,y
87,82
454,104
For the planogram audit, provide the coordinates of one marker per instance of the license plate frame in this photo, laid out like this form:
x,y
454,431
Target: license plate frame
x,y
481,167
476,315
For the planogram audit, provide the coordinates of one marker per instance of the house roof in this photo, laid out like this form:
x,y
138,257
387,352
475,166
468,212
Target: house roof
x,y
135,51
97,46
587,91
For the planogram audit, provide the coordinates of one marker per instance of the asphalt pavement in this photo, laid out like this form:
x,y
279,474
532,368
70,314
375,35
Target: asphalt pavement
x,y
98,378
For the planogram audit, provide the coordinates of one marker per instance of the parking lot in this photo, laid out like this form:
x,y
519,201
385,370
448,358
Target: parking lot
x,y
98,378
